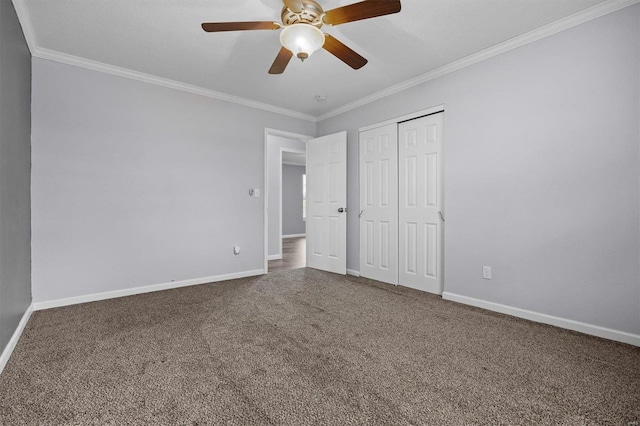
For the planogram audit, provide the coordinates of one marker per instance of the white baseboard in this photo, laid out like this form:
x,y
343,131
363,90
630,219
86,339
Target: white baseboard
x,y
294,235
594,330
8,350
353,272
274,257
139,290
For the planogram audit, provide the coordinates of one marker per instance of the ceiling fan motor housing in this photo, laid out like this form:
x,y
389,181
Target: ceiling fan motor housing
x,y
311,14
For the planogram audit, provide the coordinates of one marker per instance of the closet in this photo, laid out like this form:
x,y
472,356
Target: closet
x,y
401,203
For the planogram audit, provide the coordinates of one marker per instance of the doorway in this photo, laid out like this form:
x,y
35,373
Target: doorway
x,y
294,255
292,190
285,156
326,210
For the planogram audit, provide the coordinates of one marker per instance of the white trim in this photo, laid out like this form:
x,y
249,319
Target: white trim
x,y
26,24
291,163
284,134
406,117
294,235
519,41
594,12
165,82
289,135
353,272
594,330
275,257
11,345
38,306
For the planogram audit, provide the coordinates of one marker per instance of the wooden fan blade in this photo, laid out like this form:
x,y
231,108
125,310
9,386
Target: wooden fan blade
x,y
281,62
212,27
344,53
293,5
363,10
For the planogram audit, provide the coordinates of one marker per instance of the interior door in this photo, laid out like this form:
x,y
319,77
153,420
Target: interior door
x,y
379,204
327,203
420,212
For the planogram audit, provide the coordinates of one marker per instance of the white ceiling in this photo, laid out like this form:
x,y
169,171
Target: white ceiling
x,y
163,38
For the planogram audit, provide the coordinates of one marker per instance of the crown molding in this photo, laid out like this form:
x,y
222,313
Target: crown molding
x,y
594,12
25,23
521,40
64,58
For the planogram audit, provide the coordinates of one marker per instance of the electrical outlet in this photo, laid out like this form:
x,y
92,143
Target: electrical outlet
x,y
486,272
236,250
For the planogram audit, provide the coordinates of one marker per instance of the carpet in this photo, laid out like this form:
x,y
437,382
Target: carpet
x,y
305,347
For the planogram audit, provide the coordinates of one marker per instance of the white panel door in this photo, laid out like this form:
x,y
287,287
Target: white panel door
x,y
379,204
420,212
327,203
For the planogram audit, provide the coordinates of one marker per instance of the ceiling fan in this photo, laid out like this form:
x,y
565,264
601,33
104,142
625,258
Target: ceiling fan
x,y
301,34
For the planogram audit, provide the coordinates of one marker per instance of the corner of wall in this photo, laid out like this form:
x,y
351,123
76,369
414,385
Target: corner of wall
x,y
8,350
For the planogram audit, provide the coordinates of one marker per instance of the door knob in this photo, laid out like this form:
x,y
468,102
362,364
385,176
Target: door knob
x,y
341,210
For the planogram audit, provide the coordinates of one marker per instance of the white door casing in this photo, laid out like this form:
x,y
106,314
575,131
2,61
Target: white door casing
x,y
326,196
378,167
420,212
270,138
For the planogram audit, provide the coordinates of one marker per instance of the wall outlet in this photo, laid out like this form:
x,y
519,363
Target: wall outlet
x,y
236,250
486,272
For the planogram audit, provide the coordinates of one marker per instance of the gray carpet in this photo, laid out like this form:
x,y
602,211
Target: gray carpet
x,y
307,347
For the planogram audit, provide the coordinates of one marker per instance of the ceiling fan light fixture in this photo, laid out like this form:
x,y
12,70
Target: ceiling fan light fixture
x,y
302,39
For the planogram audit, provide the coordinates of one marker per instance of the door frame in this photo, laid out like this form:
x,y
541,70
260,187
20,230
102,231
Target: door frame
x,y
268,132
411,116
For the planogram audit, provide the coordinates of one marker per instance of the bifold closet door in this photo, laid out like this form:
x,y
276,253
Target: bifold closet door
x,y
420,204
379,204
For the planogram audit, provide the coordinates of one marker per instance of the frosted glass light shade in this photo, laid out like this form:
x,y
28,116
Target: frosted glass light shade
x,y
302,39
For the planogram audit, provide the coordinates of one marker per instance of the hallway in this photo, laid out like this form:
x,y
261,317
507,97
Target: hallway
x,y
294,255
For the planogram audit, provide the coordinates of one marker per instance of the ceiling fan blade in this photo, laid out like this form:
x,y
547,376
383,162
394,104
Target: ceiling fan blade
x,y
293,5
281,62
212,27
342,52
363,10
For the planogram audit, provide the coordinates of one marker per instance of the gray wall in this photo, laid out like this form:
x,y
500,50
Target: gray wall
x,y
292,222
135,184
15,153
275,145
541,173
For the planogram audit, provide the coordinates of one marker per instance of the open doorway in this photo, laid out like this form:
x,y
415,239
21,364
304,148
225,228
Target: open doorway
x,y
293,192
285,198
